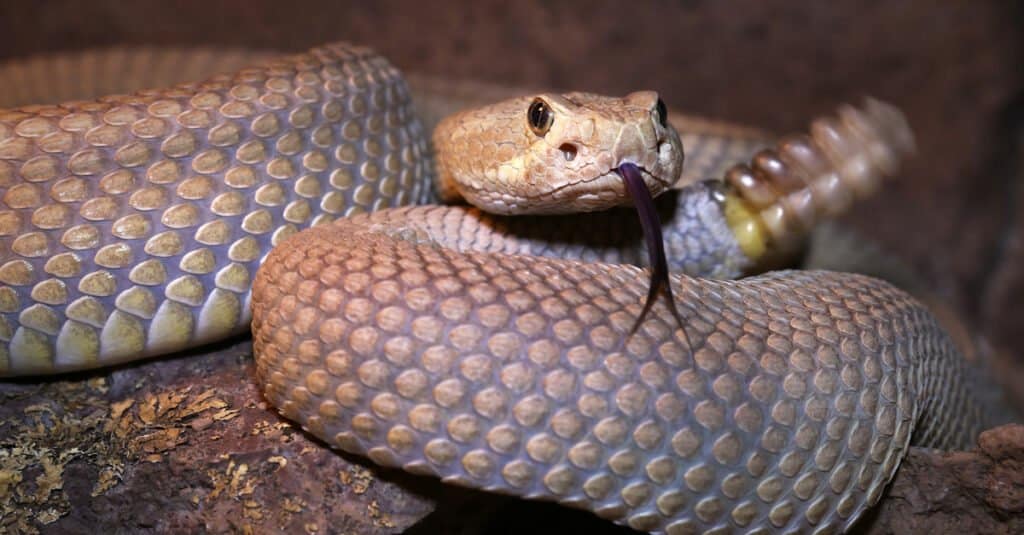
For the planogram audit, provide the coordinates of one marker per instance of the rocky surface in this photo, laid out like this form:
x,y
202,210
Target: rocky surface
x,y
980,491
179,445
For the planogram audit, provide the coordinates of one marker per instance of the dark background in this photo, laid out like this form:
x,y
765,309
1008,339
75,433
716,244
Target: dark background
x,y
954,67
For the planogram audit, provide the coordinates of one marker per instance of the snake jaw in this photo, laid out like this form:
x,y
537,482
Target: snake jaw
x,y
632,177
600,191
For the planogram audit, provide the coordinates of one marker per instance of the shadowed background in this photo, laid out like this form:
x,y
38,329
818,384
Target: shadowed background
x,y
954,67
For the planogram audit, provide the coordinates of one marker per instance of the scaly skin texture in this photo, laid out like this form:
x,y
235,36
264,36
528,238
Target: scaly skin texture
x,y
132,226
516,374
434,339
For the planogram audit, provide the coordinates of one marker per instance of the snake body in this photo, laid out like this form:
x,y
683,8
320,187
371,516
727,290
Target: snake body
x,y
491,352
133,225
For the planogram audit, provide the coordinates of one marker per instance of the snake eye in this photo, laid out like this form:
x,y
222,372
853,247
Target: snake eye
x,y
539,116
662,113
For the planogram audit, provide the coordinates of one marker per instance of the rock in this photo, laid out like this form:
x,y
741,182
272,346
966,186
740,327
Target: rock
x,y
977,491
181,445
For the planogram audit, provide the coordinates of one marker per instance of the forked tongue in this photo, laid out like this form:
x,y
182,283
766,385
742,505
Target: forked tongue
x,y
651,225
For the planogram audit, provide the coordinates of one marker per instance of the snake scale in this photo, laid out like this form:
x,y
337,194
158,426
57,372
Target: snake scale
x,y
491,352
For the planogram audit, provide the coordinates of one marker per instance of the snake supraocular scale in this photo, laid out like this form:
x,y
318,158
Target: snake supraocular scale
x,y
429,337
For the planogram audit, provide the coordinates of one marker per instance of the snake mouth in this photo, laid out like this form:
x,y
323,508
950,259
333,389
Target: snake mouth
x,y
632,177
599,190
651,182
647,178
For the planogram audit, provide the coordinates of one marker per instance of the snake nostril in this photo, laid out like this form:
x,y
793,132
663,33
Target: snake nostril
x,y
569,151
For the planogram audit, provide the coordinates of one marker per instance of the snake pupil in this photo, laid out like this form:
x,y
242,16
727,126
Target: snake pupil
x,y
662,113
539,116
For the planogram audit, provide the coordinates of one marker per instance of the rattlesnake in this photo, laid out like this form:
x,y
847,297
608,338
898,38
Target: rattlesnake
x,y
433,339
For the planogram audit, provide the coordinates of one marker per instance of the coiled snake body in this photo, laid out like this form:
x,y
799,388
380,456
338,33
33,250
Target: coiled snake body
x,y
492,352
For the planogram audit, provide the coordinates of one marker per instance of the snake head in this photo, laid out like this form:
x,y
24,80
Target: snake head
x,y
556,153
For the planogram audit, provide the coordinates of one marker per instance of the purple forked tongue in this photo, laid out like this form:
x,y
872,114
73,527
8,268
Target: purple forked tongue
x,y
651,225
